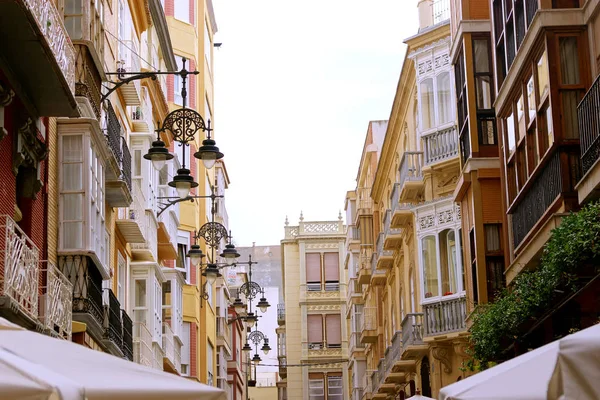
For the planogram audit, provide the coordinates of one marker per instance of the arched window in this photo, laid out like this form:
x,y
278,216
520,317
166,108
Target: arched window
x,y
430,268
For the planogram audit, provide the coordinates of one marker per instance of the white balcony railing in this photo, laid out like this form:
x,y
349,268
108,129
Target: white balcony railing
x,y
157,360
441,11
142,345
56,302
50,23
177,355
19,273
440,145
168,343
369,321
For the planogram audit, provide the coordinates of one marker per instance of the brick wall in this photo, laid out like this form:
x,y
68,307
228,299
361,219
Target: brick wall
x,y
7,178
52,186
194,349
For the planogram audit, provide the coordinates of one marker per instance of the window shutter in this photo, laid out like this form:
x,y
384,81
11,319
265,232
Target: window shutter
x,y
315,328
332,267
333,323
313,267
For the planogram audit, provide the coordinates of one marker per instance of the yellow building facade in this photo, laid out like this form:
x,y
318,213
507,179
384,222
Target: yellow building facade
x,y
405,257
314,298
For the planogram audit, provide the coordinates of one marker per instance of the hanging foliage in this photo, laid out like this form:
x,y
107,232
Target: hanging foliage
x,y
572,245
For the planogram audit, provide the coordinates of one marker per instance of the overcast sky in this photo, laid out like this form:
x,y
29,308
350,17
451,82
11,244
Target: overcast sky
x,y
296,83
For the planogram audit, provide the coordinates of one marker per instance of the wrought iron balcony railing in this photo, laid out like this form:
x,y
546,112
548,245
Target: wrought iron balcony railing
x,y
127,348
113,131
588,113
445,316
125,162
87,286
440,145
19,261
56,302
412,330
113,327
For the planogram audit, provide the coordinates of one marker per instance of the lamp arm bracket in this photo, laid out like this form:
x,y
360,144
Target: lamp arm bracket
x,y
172,200
124,81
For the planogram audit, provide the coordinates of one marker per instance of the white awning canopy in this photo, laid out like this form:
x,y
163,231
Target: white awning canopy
x,y
44,365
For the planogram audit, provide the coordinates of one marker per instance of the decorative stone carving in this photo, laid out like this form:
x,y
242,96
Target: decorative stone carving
x,y
460,348
313,246
441,61
325,353
28,152
324,307
426,221
6,96
443,354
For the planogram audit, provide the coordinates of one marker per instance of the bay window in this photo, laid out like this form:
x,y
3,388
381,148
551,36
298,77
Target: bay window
x,y
443,98
82,201
441,264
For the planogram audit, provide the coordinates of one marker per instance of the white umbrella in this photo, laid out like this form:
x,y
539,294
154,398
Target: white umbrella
x,y
419,396
102,376
525,378
577,371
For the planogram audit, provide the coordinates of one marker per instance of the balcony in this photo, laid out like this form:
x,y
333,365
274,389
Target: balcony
x,y
393,361
401,212
118,170
441,11
56,303
141,115
381,261
131,223
39,53
127,348
356,346
588,113
367,385
86,30
412,336
283,368
352,238
88,303
130,62
19,274
142,345
171,350
223,333
280,314
355,292
392,238
441,145
369,325
411,176
147,250
364,202
445,316
113,326
364,265
543,190
322,350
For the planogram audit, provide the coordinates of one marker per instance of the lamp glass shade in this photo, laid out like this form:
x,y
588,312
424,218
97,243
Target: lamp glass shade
x,y
266,348
246,348
240,308
250,320
211,277
159,162
230,261
183,189
209,162
256,359
263,309
195,260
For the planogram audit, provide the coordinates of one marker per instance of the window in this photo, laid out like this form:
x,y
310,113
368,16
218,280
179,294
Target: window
x,y
82,198
494,259
210,362
473,265
430,272
333,328
571,89
313,271
178,83
185,349
316,388
462,107
441,264
122,279
182,10
315,331
335,390
332,271
73,11
444,103
486,118
427,105
183,262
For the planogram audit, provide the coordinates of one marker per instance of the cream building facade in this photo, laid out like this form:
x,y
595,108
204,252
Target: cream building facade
x,y
314,298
